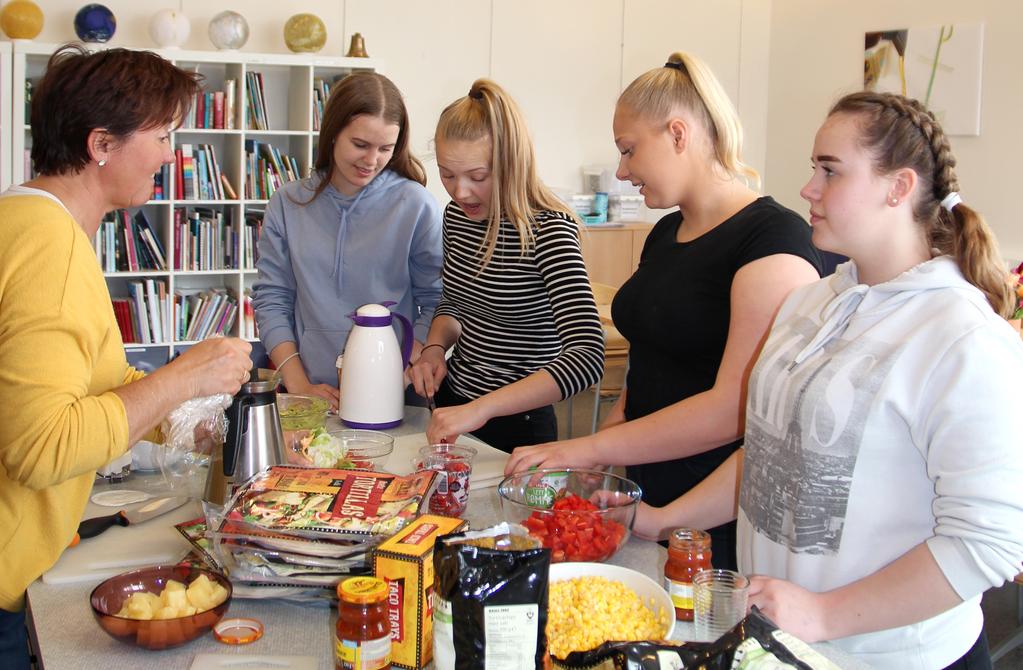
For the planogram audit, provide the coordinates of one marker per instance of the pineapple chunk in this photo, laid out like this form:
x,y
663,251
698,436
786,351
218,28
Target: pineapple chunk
x,y
200,592
166,613
176,600
218,595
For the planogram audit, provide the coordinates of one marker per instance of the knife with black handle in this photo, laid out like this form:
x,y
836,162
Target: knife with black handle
x,y
95,526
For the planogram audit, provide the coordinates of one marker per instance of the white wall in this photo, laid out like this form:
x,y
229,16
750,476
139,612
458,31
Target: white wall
x,y
816,55
565,61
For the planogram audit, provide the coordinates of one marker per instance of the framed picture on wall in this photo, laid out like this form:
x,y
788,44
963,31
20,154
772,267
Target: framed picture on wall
x,y
940,66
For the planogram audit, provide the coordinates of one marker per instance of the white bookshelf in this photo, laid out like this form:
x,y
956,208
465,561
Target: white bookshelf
x,y
5,115
288,91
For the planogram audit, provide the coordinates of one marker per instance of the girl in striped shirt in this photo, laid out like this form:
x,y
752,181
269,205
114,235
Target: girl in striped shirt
x,y
517,305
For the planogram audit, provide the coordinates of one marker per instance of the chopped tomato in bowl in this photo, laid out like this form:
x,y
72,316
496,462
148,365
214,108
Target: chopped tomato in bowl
x,y
580,515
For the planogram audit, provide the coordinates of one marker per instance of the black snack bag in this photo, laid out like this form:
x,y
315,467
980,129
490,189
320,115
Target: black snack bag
x,y
751,642
490,600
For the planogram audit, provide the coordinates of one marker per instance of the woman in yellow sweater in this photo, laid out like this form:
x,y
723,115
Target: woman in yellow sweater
x,y
69,401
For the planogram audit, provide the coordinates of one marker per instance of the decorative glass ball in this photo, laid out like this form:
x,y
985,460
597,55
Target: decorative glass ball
x,y
95,23
305,32
229,30
21,19
169,28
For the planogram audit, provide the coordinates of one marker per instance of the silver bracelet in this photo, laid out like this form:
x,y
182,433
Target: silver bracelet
x,y
285,361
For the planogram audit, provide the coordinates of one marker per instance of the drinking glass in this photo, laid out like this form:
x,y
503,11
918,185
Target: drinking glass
x,y
719,602
454,462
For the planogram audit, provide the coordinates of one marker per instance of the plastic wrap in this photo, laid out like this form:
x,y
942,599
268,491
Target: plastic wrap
x,y
190,432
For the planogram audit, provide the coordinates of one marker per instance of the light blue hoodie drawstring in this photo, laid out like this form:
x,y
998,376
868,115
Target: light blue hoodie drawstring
x,y
341,230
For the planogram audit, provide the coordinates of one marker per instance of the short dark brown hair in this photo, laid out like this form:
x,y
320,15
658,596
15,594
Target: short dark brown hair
x,y
119,90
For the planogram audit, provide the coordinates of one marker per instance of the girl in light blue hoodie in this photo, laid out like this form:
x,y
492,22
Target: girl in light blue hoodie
x,y
362,229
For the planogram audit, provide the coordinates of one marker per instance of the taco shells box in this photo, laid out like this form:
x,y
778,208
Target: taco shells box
x,y
405,561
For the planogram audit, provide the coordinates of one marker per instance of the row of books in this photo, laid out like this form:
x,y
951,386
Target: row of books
x,y
204,314
150,315
256,101
267,169
142,317
249,329
321,93
252,230
213,109
204,239
129,244
198,174
162,183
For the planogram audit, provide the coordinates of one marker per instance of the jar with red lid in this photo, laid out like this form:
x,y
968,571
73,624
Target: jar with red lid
x,y
363,637
688,553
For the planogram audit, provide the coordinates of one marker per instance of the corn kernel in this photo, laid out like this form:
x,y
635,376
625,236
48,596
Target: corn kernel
x,y
585,612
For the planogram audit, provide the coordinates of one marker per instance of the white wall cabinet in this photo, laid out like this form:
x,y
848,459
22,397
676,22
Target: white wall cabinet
x,y
288,82
5,115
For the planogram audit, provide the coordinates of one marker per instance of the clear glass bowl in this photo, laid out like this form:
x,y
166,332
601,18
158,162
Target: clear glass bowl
x,y
580,515
300,414
363,449
108,598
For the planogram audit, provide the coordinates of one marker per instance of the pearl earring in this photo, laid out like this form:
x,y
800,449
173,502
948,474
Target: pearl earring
x,y
893,201
102,162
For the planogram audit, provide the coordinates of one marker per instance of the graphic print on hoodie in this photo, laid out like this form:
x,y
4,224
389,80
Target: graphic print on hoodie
x,y
804,474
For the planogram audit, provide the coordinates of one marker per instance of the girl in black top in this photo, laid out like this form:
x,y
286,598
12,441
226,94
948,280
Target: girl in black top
x,y
710,279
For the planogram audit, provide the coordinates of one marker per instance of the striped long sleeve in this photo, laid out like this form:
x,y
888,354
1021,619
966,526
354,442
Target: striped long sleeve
x,y
523,312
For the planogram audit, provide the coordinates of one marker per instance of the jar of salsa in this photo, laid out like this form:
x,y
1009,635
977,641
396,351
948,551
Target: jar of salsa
x,y
363,639
688,553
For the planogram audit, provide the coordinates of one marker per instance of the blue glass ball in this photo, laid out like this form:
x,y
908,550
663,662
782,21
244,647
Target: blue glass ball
x,y
95,23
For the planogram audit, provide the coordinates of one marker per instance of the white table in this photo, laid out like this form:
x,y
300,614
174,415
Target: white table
x,y
67,637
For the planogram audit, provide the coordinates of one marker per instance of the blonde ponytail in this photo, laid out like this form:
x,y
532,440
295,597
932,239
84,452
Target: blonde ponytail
x,y
686,82
518,194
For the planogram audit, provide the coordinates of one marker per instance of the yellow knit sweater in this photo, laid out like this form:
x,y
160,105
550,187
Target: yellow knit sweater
x,y
60,356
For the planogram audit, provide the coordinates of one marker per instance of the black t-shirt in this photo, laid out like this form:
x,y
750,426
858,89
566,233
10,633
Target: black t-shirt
x,y
674,311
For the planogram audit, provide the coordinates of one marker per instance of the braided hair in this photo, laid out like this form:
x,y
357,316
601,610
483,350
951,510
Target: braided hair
x,y
901,133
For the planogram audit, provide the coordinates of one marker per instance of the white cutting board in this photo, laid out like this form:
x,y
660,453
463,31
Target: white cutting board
x,y
119,549
487,465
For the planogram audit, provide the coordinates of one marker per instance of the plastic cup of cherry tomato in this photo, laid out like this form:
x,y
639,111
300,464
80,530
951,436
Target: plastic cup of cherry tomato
x,y
580,515
454,461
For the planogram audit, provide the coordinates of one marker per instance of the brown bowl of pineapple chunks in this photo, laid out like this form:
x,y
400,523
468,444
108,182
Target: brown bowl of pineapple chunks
x,y
162,606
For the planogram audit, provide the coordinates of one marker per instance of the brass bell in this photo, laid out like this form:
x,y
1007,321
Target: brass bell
x,y
357,49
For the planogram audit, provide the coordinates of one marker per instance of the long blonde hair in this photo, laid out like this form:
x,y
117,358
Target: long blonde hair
x,y
518,194
900,132
685,81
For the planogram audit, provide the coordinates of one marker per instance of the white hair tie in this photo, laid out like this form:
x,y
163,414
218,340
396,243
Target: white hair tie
x,y
951,200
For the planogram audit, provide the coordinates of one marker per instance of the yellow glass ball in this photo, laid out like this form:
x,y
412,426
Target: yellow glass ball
x,y
304,33
21,19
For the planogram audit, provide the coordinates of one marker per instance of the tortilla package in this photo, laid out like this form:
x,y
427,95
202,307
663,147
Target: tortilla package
x,y
754,643
490,600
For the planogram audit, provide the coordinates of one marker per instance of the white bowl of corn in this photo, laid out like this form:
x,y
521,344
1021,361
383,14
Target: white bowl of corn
x,y
592,603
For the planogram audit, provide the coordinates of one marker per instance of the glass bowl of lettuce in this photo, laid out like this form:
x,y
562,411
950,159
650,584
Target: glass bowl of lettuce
x,y
345,449
300,415
302,412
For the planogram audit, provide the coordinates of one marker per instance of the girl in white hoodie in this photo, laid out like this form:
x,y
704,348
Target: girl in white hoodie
x,y
881,476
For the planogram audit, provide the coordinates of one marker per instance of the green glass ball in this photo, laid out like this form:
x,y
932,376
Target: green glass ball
x,y
305,33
